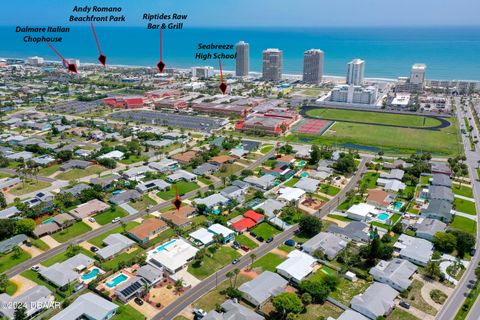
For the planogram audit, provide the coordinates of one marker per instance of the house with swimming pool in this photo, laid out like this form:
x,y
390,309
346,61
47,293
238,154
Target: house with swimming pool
x,y
64,273
172,255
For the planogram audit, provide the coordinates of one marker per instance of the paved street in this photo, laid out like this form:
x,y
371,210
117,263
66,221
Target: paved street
x,y
455,301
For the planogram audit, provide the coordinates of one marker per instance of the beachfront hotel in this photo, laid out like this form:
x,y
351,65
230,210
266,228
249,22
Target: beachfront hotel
x,y
355,72
313,66
243,59
272,65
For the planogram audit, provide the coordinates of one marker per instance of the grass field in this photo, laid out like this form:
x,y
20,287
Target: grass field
x,y
320,311
113,263
463,190
232,168
30,186
328,189
10,260
73,231
222,256
133,159
74,174
127,312
269,262
47,171
246,241
463,224
39,244
107,216
370,180
265,230
346,290
11,288
374,117
464,206
399,314
291,182
142,203
183,187
444,142
266,149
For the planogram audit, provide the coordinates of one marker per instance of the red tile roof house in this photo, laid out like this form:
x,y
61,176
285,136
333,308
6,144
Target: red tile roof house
x,y
125,102
250,220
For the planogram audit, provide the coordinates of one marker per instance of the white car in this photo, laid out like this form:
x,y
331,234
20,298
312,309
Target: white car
x,y
199,312
35,268
117,219
92,219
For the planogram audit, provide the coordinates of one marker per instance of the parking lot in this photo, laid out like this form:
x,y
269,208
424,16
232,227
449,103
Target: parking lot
x,y
170,119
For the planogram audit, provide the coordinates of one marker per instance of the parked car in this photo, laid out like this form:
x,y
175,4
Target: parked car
x,y
260,239
253,234
91,219
269,239
199,312
404,304
290,243
244,248
235,261
138,301
28,244
35,268
117,219
93,249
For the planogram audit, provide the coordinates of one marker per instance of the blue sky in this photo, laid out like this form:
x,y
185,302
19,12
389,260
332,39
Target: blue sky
x,y
257,13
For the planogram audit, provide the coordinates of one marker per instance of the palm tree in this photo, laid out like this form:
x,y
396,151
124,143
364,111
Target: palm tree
x,y
230,275
252,257
236,271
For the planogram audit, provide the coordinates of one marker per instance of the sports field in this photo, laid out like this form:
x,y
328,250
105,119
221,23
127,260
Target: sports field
x,y
392,140
373,117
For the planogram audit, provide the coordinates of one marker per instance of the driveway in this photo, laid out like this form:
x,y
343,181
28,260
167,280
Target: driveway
x,y
52,243
128,208
189,279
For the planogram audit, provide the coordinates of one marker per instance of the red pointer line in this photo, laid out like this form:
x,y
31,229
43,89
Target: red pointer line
x,y
58,54
221,72
96,39
161,44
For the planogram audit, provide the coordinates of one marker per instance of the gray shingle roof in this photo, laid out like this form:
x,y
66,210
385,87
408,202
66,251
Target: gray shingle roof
x,y
87,305
9,244
397,271
264,286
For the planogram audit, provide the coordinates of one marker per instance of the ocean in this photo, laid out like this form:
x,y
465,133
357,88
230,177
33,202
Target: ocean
x,y
451,53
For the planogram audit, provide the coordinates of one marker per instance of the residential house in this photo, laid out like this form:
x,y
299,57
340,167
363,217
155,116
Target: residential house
x,y
440,168
220,160
291,195
44,160
234,192
297,267
186,157
426,228
137,173
105,182
179,218
307,184
397,273
130,289
213,200
150,274
265,286
164,165
75,164
302,151
327,243
115,154
76,190
238,153
233,311
264,183
361,211
397,164
8,183
89,208
441,180
173,256
379,198
415,250
325,166
271,207
250,219
63,273
356,231
205,169
10,243
349,314
88,306
201,237
34,299
227,234
9,212
25,155
181,175
438,209
280,170
286,160
250,145
157,184
125,196
147,230
378,300
114,244
440,193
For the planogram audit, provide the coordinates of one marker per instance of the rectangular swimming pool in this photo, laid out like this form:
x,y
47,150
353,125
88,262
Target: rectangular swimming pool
x,y
117,280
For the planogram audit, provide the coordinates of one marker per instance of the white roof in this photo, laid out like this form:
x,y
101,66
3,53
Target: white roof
x,y
115,154
212,200
298,265
220,229
175,255
202,235
362,209
290,194
87,305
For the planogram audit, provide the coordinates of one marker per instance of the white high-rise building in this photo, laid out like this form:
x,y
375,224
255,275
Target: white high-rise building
x,y
354,94
313,66
272,65
243,59
35,61
356,72
203,72
417,76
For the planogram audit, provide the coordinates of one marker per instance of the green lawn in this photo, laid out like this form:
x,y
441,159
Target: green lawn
x,y
39,244
11,288
321,273
424,180
4,175
286,248
113,263
98,240
265,230
232,168
463,224
399,314
347,289
73,231
205,180
463,190
374,117
127,312
269,262
320,311
222,256
370,180
142,203
133,159
107,216
48,171
162,237
291,182
266,149
10,260
416,300
464,206
183,188
328,189
444,142
29,186
35,277
74,174
63,256
246,241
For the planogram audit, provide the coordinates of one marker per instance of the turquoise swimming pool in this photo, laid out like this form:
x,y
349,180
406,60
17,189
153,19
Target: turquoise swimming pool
x,y
216,211
48,221
117,280
301,163
304,174
90,275
383,216
163,246
397,205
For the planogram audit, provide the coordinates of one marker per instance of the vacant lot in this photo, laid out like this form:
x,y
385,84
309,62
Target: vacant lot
x,y
74,174
107,216
183,188
244,240
213,262
142,203
28,186
265,230
463,224
11,259
73,231
373,117
464,206
463,190
268,262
